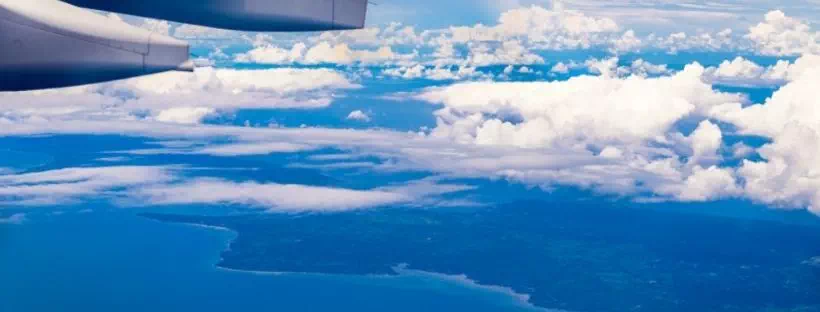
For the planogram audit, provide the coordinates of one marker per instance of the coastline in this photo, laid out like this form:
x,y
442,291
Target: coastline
x,y
402,270
520,299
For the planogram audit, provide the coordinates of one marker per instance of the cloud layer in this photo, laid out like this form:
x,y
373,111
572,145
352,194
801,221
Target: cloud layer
x,y
180,97
639,130
521,35
161,186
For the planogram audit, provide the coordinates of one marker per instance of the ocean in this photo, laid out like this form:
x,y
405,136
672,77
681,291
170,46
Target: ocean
x,y
110,259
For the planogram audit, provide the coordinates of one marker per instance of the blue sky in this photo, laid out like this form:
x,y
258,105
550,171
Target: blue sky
x,y
640,101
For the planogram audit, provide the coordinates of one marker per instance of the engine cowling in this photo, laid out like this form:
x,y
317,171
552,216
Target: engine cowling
x,y
50,44
249,15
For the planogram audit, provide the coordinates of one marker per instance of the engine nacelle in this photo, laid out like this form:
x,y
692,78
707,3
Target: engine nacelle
x,y
49,44
249,15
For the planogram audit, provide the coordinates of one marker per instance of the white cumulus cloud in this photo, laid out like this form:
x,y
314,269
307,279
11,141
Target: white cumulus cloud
x,y
743,72
358,116
780,34
789,174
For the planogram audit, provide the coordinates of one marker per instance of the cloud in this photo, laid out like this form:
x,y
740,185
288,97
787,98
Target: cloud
x,y
612,134
722,40
625,121
273,197
743,72
168,185
643,68
293,198
358,116
322,53
561,68
157,26
626,43
335,165
250,149
617,133
185,115
72,184
522,34
113,159
708,184
582,109
705,142
612,67
740,150
270,54
17,218
788,174
194,32
782,35
664,16
180,97
516,37
617,27
437,72
506,52
556,28
393,33
343,54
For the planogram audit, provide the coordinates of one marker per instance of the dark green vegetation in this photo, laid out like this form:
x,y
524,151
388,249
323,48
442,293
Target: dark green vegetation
x,y
579,257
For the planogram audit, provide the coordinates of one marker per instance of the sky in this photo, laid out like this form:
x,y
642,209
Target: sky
x,y
644,101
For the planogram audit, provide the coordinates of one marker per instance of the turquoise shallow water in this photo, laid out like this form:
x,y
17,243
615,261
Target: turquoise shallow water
x,y
113,260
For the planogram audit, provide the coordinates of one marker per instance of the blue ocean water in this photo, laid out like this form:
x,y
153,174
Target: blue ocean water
x,y
112,260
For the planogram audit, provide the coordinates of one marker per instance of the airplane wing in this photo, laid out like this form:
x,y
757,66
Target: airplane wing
x,y
248,15
53,43
48,44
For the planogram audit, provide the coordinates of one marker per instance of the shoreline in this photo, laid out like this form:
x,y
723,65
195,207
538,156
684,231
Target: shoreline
x,y
521,300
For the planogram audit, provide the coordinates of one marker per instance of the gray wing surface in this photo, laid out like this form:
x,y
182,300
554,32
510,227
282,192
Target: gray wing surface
x,y
48,44
59,43
248,15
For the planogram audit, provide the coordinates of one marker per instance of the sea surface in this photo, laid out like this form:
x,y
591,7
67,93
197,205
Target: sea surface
x,y
96,258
